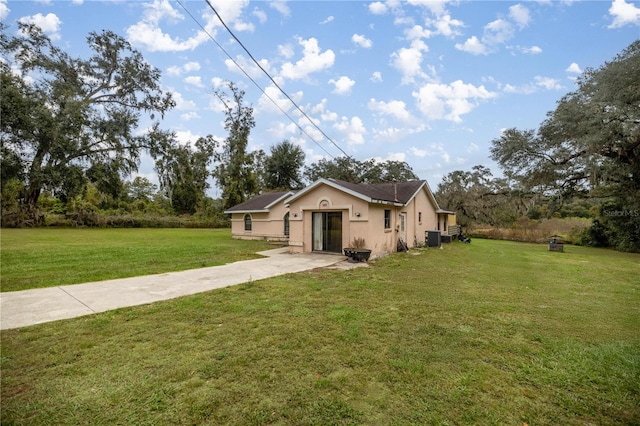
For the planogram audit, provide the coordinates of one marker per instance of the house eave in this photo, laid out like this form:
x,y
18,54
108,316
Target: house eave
x,y
279,200
388,203
245,211
442,211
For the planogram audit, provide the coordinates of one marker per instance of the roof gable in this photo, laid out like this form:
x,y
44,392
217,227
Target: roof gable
x,y
261,203
400,193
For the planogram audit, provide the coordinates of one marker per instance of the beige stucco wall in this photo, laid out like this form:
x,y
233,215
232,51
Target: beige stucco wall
x,y
360,220
325,198
420,216
445,221
423,204
264,225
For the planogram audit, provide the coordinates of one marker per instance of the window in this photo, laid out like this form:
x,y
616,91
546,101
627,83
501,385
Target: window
x,y
247,222
419,217
387,219
286,224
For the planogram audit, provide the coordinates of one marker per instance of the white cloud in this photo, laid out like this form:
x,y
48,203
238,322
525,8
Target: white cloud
x,y
181,103
243,26
389,134
247,65
376,77
321,110
148,34
393,134
533,50
217,82
409,61
548,83
439,150
188,67
328,20
447,27
417,32
539,82
472,148
526,89
353,129
274,95
396,156
4,10
313,60
361,41
186,137
191,66
194,80
49,23
497,32
443,25
286,50
189,116
284,130
396,109
473,46
416,152
280,6
520,14
624,13
260,14
342,85
437,7
377,8
174,70
450,101
574,68
446,157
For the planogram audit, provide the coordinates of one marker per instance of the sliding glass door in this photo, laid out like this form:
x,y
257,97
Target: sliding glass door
x,y
327,231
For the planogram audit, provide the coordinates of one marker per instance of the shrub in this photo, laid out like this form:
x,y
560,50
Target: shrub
x,y
358,243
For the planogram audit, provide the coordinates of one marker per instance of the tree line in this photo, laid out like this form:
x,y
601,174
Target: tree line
x,y
584,156
70,136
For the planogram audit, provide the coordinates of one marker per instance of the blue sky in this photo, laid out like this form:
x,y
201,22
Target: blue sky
x,y
426,82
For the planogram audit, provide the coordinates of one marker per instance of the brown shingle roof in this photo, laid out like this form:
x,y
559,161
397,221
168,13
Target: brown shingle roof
x,y
400,192
259,203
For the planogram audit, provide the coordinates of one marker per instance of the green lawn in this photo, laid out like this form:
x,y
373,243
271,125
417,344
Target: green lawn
x,y
494,332
34,258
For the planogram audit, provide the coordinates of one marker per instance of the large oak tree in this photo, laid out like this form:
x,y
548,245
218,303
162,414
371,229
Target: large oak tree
x,y
589,145
62,114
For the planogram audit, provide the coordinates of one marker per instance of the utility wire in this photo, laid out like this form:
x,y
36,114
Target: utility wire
x,y
274,82
252,80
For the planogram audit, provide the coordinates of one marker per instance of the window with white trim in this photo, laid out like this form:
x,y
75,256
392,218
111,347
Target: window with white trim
x,y
387,219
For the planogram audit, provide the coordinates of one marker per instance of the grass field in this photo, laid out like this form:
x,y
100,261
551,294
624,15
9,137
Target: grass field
x,y
34,258
492,333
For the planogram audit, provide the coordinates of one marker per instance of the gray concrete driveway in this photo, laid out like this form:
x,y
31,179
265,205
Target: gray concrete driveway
x,y
28,307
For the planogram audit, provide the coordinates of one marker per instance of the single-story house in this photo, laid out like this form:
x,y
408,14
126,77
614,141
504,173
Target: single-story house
x,y
329,214
264,217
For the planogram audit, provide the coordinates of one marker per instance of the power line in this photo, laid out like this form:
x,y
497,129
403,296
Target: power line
x,y
252,80
273,81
